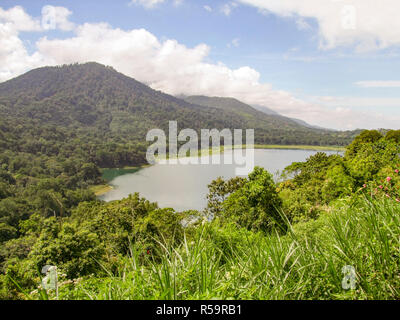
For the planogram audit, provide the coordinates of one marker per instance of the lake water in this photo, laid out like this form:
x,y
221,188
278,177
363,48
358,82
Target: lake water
x,y
184,187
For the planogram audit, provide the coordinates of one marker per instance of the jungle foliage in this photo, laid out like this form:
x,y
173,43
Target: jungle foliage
x,y
275,240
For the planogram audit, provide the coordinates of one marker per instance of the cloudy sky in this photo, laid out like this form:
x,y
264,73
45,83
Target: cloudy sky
x,y
333,63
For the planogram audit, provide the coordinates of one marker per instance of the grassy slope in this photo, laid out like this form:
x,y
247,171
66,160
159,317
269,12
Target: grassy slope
x,y
101,189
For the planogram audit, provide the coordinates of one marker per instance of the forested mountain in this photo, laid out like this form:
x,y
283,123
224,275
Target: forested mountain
x,y
265,118
109,104
257,116
97,97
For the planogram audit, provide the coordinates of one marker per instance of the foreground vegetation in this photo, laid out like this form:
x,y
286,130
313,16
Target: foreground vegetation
x,y
222,262
255,240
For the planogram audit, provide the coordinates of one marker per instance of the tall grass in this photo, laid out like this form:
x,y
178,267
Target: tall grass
x,y
224,262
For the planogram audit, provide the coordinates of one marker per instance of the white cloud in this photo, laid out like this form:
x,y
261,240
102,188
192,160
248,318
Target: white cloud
x,y
359,102
178,2
378,84
367,24
227,8
56,18
208,8
302,24
149,4
14,57
370,113
234,43
17,19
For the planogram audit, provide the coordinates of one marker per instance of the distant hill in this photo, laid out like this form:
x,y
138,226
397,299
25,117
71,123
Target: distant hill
x,y
273,118
301,122
254,118
97,99
243,110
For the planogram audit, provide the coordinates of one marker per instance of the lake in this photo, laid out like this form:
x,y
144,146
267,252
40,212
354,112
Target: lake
x,y
184,187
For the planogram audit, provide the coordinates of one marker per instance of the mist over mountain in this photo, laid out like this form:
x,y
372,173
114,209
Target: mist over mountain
x,y
303,123
259,114
265,109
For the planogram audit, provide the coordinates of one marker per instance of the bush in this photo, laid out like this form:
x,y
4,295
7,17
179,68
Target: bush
x,y
255,206
76,251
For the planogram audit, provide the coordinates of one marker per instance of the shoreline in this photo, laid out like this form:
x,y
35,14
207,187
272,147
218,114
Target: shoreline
x,y
301,147
210,151
102,189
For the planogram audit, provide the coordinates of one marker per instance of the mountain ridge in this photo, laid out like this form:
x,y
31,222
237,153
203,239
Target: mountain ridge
x,y
97,98
233,104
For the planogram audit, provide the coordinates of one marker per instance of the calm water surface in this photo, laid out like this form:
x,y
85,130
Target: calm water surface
x,y
184,187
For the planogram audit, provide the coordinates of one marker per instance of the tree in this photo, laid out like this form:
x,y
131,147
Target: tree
x,y
338,183
255,206
5,191
365,137
218,191
73,249
163,225
7,232
90,172
116,223
371,158
393,135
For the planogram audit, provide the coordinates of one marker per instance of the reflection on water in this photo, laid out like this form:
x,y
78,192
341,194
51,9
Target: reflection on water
x,y
184,187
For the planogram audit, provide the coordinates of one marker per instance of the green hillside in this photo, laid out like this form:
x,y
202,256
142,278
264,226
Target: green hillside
x,y
95,98
258,118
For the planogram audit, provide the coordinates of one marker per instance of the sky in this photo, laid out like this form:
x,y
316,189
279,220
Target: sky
x,y
332,63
